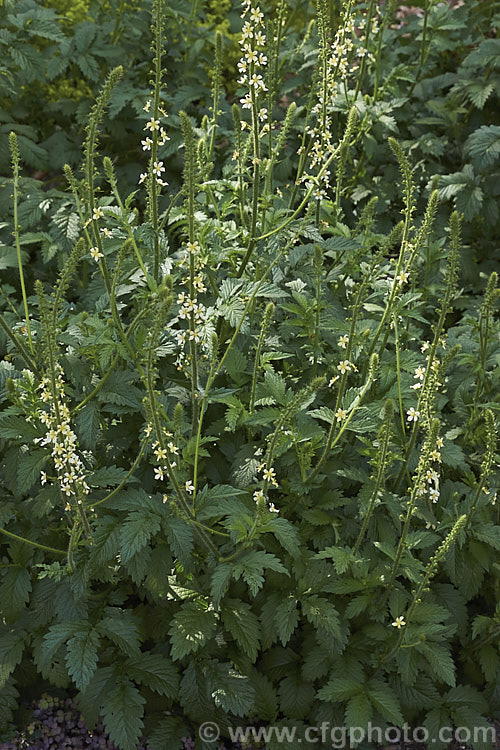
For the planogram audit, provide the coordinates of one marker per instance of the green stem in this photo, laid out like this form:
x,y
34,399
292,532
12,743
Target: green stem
x,y
365,42
114,33
398,369
255,184
170,471
109,370
18,251
125,479
376,489
33,544
331,441
23,352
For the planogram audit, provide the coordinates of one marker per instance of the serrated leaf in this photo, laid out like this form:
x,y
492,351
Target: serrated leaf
x,y
87,424
180,538
322,614
489,661
231,691
29,468
191,628
122,712
483,145
340,689
286,619
8,703
81,657
169,733
136,531
106,541
243,625
440,661
359,711
56,635
16,426
106,476
286,534
156,672
14,592
120,627
296,696
266,701
385,701
275,386
488,533
11,652
342,557
220,582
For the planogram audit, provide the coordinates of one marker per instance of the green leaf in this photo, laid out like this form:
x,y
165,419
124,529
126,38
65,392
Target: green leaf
x,y
14,591
156,672
122,712
121,629
286,619
29,468
440,661
231,691
106,541
56,635
275,386
251,566
16,426
243,625
169,733
322,614
489,661
340,689
180,538
11,652
106,476
286,534
385,701
465,695
8,703
87,423
136,531
296,696
488,533
266,701
220,582
342,557
359,711
191,628
483,145
81,658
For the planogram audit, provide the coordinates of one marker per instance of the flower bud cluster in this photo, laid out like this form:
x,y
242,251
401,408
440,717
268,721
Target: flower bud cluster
x,y
336,66
156,130
62,441
252,62
165,456
199,319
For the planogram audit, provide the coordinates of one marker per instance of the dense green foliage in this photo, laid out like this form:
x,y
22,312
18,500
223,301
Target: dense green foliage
x,y
248,406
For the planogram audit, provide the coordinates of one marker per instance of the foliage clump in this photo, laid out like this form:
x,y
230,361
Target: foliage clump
x,y
248,426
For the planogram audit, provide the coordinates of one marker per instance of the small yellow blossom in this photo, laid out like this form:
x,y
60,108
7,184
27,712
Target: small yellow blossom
x,y
399,623
95,254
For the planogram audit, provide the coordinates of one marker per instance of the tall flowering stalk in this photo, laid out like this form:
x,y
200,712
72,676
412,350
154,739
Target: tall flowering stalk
x,y
14,149
251,65
423,474
430,571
